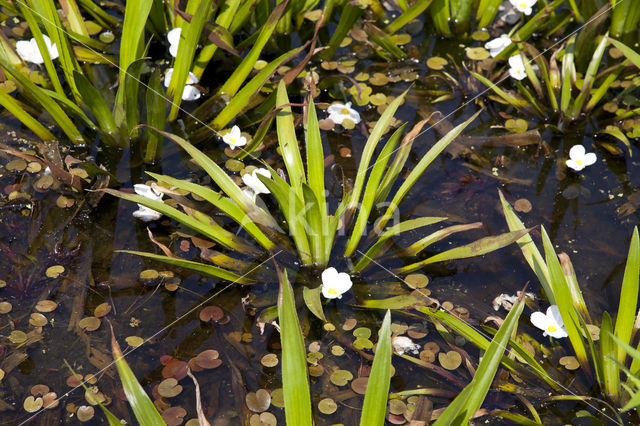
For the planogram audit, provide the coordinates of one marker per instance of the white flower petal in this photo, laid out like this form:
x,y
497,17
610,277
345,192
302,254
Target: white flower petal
x,y
234,138
190,93
174,35
147,191
254,182
589,159
146,214
339,112
575,166
516,62
577,151
335,284
539,320
554,313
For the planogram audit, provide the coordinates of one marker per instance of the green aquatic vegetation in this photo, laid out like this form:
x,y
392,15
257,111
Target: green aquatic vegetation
x,y
295,382
602,361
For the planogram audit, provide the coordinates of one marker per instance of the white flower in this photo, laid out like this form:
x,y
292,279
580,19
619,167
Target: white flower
x,y
403,344
507,13
497,45
190,92
253,181
28,50
335,284
579,158
551,322
144,212
523,6
234,138
517,67
174,40
339,112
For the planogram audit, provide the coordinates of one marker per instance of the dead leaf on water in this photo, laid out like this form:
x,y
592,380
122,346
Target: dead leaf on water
x,y
102,310
5,307
89,323
174,416
85,413
54,271
46,306
38,320
258,401
169,388
450,360
31,404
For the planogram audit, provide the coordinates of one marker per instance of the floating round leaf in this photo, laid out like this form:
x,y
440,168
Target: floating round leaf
x,y
31,404
85,413
91,379
64,202
211,313
362,343
447,306
477,53
46,306
594,331
174,416
398,328
316,370
397,406
340,377
427,356
436,63
74,381
169,388
269,360
480,36
208,359
327,406
258,401
450,360
54,271
50,400
134,341
378,99
522,205
517,125
89,323
17,336
266,419
349,324
102,310
570,362
93,396
192,422
329,327
34,167
313,357
460,312
314,346
379,79
359,385
175,368
394,419
362,332
37,320
39,390
149,274
5,307
17,165
277,398
337,350
416,280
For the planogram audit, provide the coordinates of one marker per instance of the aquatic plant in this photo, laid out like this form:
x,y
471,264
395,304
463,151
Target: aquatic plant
x,y
295,382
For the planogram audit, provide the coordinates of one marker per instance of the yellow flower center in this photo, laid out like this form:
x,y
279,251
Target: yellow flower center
x,y
332,291
344,111
579,162
523,5
552,328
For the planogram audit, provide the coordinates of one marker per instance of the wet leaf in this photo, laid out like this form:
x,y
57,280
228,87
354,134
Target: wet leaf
x,y
64,202
54,271
211,313
277,398
134,341
39,390
477,53
17,165
267,419
89,323
1,374
517,125
169,388
569,362
417,331
208,359
340,377
17,336
397,406
379,79
258,401
436,63
450,360
349,324
34,167
359,385
480,35
31,404
46,306
337,350
102,310
85,413
5,307
362,343
175,368
362,332
522,205
416,280
174,416
50,400
327,406
37,320
269,360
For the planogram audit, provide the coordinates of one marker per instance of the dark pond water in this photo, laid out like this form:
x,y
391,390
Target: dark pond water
x,y
588,215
